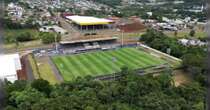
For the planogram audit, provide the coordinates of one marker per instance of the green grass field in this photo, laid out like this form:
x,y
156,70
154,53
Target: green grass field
x,y
103,62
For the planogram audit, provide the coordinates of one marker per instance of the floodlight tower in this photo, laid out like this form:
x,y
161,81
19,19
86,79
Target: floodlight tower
x,y
56,36
122,34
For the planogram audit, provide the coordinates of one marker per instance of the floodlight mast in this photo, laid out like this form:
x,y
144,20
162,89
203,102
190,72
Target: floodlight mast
x,y
122,35
56,45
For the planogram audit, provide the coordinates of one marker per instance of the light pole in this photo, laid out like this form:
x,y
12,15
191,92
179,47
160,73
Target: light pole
x,y
56,45
122,34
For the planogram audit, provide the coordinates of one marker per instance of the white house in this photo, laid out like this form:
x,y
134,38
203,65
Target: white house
x,y
53,28
192,42
15,10
9,65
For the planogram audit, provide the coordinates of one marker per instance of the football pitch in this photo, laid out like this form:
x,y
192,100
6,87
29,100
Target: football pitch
x,y
103,62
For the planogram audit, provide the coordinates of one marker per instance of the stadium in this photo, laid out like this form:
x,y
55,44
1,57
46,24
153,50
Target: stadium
x,y
96,47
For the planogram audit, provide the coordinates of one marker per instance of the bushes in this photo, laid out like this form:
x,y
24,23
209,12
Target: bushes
x,y
42,86
160,41
194,57
26,36
22,35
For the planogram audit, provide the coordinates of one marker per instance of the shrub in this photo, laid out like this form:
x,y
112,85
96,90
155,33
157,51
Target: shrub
x,y
26,36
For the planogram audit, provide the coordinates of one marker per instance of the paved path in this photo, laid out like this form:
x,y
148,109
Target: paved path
x,y
29,71
55,70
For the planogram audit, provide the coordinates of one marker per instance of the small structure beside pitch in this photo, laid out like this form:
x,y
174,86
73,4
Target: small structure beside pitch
x,y
10,65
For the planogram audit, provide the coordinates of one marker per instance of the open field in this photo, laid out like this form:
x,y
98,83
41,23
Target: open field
x,y
103,62
25,46
184,34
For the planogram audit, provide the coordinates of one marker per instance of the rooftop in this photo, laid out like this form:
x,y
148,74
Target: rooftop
x,y
9,65
88,20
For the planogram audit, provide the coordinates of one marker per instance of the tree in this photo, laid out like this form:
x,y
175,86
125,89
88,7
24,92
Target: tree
x,y
192,33
175,33
18,85
25,36
42,86
26,98
159,101
132,92
48,38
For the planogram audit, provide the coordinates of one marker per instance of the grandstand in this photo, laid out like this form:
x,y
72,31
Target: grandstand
x,y
86,29
87,32
89,23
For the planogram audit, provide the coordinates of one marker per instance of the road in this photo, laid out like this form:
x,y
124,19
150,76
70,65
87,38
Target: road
x,y
29,71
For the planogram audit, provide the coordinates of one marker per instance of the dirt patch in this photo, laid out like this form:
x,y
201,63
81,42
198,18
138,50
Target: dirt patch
x,y
181,77
132,27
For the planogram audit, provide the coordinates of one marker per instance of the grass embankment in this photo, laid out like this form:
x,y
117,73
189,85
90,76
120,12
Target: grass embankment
x,y
42,69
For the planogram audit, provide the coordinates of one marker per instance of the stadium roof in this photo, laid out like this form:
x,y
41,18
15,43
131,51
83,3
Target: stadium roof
x,y
9,64
88,20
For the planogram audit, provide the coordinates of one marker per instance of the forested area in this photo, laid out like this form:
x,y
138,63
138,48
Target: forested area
x,y
130,92
194,57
